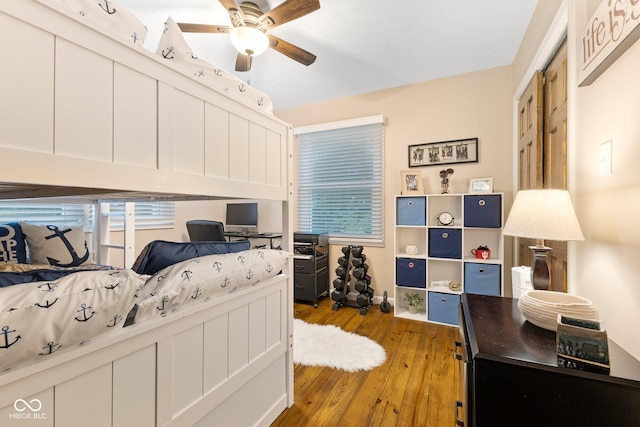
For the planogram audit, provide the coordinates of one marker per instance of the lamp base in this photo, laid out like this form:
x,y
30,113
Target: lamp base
x,y
540,273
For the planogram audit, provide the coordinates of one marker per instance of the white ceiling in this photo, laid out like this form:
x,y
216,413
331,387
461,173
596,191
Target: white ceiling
x,y
361,45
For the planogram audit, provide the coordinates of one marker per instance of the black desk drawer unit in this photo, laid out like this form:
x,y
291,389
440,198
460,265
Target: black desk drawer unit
x,y
311,267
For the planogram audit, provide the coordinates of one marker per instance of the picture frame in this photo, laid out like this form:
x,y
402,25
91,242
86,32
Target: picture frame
x,y
481,185
411,182
443,153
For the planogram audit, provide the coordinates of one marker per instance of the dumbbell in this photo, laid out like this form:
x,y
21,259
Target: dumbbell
x,y
361,272
342,271
361,286
338,283
357,262
339,296
364,300
356,251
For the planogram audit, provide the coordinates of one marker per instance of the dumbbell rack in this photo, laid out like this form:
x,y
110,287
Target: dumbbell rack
x,y
353,260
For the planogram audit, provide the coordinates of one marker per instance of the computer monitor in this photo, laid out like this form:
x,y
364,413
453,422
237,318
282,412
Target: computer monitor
x,y
242,215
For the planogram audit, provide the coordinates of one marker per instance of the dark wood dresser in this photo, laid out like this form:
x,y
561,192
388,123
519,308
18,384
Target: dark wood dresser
x,y
511,378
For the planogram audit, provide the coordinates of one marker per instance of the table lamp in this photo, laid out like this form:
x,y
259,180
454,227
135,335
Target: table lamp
x,y
542,214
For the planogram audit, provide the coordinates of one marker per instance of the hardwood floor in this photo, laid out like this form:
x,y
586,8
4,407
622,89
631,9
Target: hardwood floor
x,y
416,386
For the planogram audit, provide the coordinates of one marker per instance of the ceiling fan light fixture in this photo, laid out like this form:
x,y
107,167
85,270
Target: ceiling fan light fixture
x,y
249,41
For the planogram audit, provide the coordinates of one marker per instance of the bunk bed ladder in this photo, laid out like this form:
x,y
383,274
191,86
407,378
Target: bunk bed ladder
x,y
102,236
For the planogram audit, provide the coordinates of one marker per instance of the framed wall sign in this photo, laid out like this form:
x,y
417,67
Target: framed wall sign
x,y
443,153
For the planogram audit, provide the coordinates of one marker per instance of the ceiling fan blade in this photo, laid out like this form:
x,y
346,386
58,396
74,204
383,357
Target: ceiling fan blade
x,y
236,13
243,62
203,28
293,52
287,11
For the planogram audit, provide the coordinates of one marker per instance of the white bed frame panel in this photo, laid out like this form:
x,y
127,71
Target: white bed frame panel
x,y
81,103
226,360
86,114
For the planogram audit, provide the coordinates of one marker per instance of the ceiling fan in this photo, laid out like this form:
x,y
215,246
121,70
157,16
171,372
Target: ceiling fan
x,y
250,25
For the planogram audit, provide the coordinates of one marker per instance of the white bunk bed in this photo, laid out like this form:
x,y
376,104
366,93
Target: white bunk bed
x,y
85,114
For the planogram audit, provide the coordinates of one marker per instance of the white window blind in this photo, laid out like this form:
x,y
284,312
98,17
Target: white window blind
x,y
46,213
340,179
148,214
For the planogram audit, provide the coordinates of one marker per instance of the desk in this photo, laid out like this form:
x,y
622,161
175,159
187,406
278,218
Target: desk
x,y
243,235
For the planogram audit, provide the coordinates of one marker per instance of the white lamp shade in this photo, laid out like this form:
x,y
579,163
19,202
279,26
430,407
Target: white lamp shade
x,y
543,214
249,40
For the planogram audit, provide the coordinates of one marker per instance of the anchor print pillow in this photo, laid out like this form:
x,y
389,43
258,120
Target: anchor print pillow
x,y
174,48
200,279
110,15
57,245
40,319
12,245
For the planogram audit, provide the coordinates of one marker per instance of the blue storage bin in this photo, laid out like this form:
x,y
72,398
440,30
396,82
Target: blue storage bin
x,y
445,243
411,272
411,211
482,279
483,210
443,308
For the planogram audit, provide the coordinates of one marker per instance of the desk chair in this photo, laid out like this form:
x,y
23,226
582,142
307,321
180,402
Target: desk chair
x,y
203,230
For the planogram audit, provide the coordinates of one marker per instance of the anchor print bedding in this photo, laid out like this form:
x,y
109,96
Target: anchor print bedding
x,y
43,318
199,279
122,24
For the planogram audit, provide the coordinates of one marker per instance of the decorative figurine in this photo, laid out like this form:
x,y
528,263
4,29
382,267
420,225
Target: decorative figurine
x,y
444,179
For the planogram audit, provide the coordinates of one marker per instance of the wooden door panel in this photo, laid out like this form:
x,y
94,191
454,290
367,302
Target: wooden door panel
x,y
555,152
530,134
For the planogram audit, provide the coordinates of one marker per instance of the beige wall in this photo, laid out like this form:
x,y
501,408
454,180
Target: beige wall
x,y
269,220
609,207
465,106
605,267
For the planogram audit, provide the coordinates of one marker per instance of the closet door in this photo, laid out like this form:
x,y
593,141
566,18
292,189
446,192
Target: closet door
x,y
542,151
555,152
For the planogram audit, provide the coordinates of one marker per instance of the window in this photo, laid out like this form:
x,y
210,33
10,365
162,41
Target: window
x,y
148,214
340,179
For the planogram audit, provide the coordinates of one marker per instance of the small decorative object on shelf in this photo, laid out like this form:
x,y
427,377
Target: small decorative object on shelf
x,y
414,300
444,179
582,344
483,252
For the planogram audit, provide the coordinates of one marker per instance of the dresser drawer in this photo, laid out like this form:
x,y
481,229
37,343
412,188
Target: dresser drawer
x,y
304,287
411,211
445,243
482,279
443,308
411,272
304,265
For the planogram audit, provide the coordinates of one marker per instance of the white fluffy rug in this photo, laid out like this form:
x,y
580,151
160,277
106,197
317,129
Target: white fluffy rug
x,y
328,345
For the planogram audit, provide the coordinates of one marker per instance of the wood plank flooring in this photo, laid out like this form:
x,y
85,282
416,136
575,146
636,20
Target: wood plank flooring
x,y
416,386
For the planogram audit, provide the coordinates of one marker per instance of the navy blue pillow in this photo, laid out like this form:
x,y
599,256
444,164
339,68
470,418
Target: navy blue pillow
x,y
12,244
160,254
